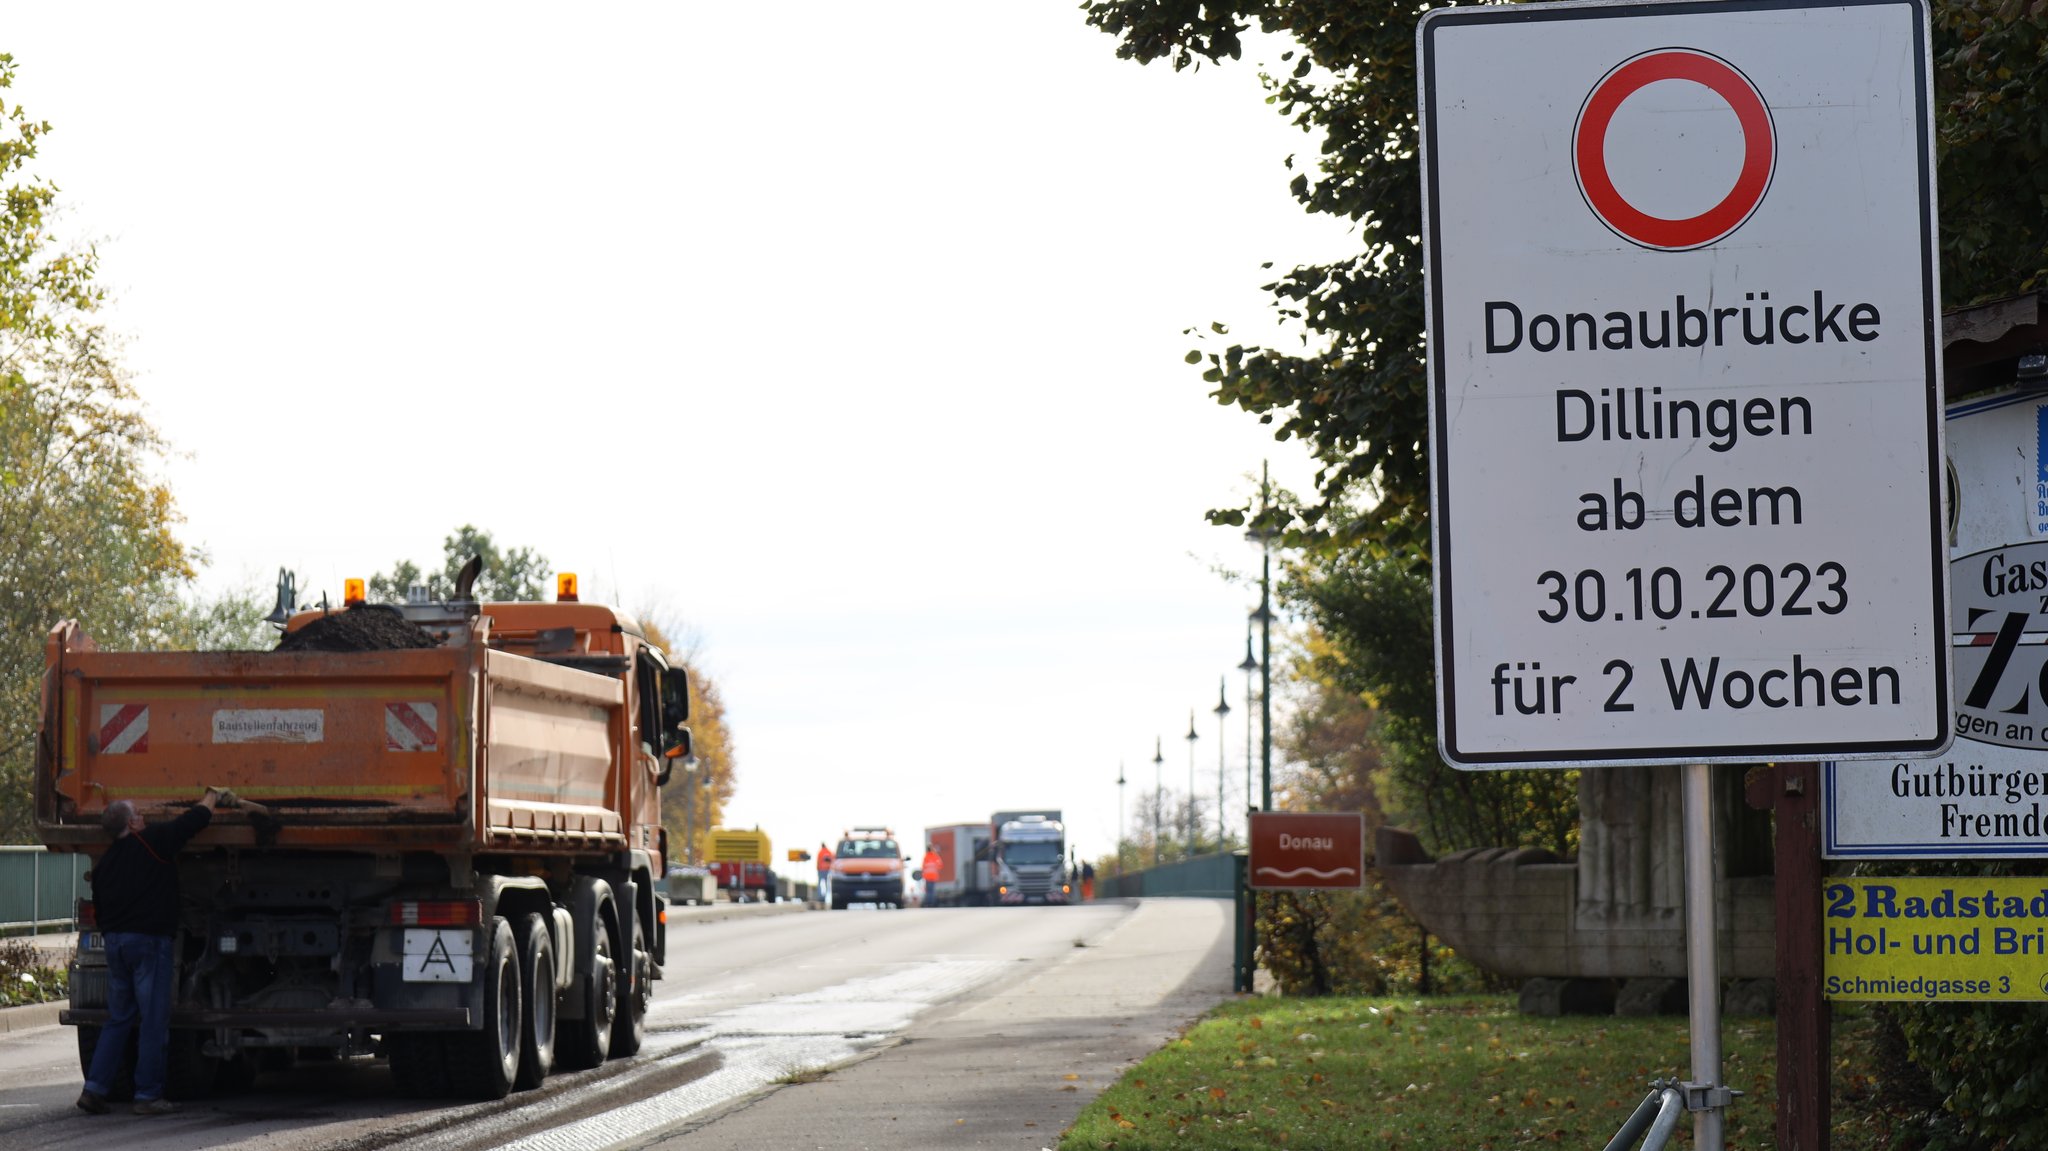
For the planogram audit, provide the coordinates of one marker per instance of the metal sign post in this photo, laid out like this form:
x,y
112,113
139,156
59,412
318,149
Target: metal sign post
x,y
1684,361
1705,1096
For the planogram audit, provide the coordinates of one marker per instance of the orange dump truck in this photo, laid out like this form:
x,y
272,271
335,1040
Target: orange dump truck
x,y
450,852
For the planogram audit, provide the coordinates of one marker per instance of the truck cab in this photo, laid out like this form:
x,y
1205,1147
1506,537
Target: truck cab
x,y
1030,858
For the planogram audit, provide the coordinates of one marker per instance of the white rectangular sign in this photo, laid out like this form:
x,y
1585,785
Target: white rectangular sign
x,y
1988,797
1685,399
437,955
269,725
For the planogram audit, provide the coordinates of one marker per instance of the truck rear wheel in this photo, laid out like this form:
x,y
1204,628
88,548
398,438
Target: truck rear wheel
x,y
537,981
586,1041
629,1024
483,1064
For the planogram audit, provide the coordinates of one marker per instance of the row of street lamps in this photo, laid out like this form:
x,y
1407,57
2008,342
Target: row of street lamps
x,y
1260,623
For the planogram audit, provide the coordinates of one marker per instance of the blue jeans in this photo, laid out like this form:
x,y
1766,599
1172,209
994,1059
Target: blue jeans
x,y
138,996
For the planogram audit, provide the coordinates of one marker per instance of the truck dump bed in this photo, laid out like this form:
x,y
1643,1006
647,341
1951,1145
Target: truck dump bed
x,y
457,747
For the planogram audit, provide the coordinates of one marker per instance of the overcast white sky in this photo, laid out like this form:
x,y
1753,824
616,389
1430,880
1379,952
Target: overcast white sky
x,y
847,338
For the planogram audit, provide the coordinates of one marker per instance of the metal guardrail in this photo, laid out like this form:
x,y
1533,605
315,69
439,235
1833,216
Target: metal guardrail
x,y
1657,1114
39,889
1203,877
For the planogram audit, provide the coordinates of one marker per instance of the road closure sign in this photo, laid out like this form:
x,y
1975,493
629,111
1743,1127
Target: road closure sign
x,y
1685,412
1299,850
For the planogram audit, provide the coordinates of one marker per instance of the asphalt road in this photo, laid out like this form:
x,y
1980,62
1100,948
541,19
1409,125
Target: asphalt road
x,y
986,1027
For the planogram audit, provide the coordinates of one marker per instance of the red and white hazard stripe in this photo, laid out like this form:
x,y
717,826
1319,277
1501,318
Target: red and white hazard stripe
x,y
411,726
124,728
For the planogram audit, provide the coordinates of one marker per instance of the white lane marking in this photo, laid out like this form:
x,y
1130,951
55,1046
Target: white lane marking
x,y
749,1065
763,1042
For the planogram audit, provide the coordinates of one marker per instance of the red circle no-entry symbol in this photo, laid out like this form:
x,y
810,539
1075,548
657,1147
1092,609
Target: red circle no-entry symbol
x,y
1589,149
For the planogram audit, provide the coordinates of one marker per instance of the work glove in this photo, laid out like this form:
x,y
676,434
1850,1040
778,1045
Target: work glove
x,y
222,797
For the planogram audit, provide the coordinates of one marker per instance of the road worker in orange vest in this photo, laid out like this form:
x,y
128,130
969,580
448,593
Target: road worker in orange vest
x,y
824,874
933,863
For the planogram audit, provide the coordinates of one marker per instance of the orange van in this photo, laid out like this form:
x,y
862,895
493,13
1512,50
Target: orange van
x,y
867,867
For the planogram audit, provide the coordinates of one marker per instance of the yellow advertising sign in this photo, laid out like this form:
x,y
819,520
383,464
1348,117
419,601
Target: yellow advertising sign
x,y
1936,940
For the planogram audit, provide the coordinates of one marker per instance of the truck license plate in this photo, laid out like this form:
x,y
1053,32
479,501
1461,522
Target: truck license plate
x,y
437,955
869,892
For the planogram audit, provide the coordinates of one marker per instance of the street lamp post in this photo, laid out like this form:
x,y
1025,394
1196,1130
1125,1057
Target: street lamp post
x,y
1121,837
1158,793
1192,737
1250,665
689,766
1222,710
1261,533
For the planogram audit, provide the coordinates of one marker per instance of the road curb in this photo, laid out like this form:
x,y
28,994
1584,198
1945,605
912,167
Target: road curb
x,y
30,1017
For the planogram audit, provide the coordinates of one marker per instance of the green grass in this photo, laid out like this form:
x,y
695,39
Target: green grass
x,y
1450,1074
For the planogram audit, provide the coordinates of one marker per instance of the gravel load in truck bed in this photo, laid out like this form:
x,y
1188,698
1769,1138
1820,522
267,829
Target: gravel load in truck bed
x,y
364,627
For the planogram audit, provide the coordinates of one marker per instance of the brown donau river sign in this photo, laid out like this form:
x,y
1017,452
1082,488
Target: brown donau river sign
x,y
1295,850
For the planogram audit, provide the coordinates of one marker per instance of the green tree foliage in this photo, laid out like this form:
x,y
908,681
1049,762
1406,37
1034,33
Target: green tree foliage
x,y
85,530
1991,129
1330,744
508,575
1355,392
233,620
42,287
1370,610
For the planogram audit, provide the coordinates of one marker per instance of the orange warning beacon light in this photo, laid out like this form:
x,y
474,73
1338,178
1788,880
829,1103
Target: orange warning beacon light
x,y
351,592
565,587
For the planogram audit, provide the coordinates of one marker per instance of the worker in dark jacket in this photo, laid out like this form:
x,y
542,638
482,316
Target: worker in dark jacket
x,y
135,893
